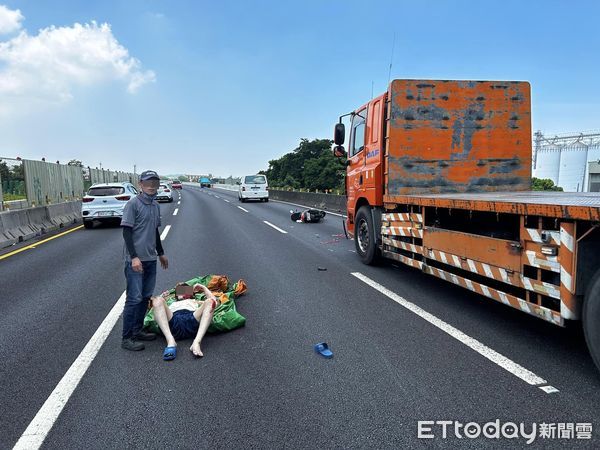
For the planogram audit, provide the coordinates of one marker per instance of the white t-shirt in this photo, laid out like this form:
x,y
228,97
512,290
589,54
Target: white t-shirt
x,y
188,304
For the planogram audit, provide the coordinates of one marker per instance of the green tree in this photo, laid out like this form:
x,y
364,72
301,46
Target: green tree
x,y
4,171
309,166
544,184
182,178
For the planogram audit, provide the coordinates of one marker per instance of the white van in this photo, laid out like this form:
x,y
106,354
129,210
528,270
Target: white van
x,y
254,187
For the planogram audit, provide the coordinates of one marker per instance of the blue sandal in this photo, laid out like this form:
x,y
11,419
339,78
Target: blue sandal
x,y
323,349
170,353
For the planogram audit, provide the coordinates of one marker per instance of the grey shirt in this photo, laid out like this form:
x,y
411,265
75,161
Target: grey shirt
x,y
143,217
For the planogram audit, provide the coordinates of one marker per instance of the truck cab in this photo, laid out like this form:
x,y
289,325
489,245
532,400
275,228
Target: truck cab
x,y
366,148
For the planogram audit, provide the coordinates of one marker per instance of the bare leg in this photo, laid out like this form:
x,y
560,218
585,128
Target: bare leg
x,y
204,316
162,315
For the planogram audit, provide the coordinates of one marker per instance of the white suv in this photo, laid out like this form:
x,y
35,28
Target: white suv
x,y
253,187
105,201
164,193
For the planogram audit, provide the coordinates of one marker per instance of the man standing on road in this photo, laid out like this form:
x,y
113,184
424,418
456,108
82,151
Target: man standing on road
x,y
141,220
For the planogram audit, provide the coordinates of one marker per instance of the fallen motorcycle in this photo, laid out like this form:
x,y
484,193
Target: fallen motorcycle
x,y
307,216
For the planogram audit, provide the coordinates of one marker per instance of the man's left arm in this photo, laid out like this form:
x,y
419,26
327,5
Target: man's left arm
x,y
164,261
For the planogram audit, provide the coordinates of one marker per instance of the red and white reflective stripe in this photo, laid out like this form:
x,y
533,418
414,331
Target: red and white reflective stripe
x,y
496,273
535,236
403,245
401,231
403,259
541,261
569,306
396,217
402,217
510,300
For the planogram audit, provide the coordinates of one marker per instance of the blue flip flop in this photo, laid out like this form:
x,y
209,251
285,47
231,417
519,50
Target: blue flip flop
x,y
323,349
170,353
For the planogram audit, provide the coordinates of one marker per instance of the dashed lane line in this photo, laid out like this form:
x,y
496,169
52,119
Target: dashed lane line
x,y
165,232
275,227
176,211
245,210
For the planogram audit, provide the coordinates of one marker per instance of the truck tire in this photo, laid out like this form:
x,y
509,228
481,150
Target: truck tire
x,y
591,318
88,224
365,239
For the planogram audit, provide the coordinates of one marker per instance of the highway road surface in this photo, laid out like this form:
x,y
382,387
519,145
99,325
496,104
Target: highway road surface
x,y
415,358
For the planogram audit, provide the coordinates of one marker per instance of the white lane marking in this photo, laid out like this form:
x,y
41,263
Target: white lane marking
x,y
226,200
216,196
179,202
165,232
245,210
273,226
549,389
33,437
501,360
176,211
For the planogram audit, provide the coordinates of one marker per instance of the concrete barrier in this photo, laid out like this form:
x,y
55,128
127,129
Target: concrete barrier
x,y
15,225
21,225
63,214
38,217
328,202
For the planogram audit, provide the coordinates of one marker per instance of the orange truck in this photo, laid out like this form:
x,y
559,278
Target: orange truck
x,y
439,178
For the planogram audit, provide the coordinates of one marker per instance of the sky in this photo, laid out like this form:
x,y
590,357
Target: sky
x,y
222,87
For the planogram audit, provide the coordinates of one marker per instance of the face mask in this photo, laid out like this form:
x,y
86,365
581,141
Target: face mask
x,y
148,196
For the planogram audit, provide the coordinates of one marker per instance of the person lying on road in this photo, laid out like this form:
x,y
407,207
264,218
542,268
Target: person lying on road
x,y
184,319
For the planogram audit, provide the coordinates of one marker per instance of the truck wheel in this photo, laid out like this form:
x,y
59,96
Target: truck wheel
x,y
88,224
365,239
591,318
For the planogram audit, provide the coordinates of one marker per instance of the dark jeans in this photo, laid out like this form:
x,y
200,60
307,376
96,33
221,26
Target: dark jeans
x,y
140,287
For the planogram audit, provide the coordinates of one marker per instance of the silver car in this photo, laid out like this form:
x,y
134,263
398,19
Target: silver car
x,y
105,201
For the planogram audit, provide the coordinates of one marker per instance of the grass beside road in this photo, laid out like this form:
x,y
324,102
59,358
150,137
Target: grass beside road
x,y
7,197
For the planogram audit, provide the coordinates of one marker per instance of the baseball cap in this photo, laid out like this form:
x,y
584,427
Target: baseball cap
x,y
149,175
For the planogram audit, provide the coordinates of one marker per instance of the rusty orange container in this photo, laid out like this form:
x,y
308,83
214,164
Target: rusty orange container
x,y
458,136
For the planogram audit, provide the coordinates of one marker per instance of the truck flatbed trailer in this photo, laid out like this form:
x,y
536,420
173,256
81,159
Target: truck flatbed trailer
x,y
439,178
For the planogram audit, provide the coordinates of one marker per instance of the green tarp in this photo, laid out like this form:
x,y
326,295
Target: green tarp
x,y
225,317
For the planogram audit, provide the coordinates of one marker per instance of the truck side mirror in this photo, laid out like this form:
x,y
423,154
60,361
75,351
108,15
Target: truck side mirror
x,y
339,151
339,134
